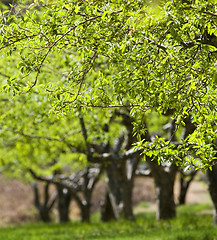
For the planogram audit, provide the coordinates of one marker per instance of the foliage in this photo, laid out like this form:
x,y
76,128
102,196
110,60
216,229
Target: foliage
x,y
91,55
34,138
190,225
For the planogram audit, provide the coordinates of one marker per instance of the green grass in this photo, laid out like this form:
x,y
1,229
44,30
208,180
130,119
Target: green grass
x,y
190,224
144,204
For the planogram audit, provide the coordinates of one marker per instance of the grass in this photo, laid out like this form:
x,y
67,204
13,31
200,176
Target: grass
x,y
190,224
144,204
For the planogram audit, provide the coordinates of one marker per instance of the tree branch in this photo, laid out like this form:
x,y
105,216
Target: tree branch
x,y
72,147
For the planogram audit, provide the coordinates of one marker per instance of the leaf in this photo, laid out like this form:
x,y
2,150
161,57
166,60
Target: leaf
x,y
76,9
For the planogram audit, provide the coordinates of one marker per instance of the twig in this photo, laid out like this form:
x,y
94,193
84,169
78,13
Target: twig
x,y
59,39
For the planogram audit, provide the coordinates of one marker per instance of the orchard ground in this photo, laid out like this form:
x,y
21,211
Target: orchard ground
x,y
192,223
17,207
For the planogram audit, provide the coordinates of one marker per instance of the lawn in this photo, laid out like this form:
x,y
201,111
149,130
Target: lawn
x,y
192,223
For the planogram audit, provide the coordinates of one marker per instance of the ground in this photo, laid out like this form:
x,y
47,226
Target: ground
x,y
16,198
16,201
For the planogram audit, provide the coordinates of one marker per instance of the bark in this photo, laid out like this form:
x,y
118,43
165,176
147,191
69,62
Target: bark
x,y
114,192
120,181
107,213
85,212
185,181
166,208
64,199
183,191
87,187
44,207
120,192
184,184
127,185
212,186
127,190
164,178
128,168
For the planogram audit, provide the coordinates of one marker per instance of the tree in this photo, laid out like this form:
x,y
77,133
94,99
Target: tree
x,y
44,207
79,186
164,62
93,56
185,180
120,164
46,146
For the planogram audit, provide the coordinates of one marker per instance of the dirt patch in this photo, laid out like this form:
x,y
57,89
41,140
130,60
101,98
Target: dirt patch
x,y
16,202
144,190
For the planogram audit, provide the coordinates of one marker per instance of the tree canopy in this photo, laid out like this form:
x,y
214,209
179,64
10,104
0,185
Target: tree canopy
x,y
92,57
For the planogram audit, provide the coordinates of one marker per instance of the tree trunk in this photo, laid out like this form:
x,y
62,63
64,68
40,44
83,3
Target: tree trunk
x,y
107,209
164,181
64,200
212,186
183,192
165,200
85,212
185,181
107,213
44,213
114,188
120,180
127,200
44,207
126,180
